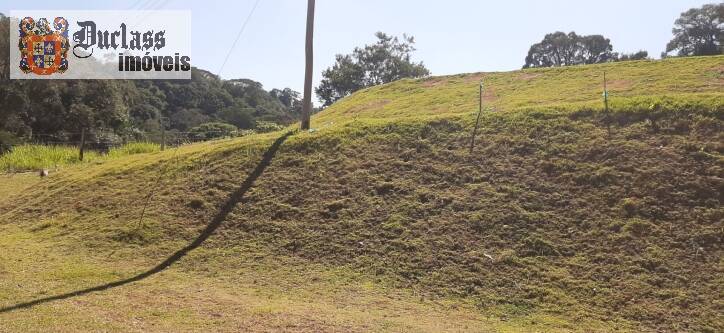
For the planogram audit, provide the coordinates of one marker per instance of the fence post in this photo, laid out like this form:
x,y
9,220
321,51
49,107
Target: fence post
x,y
605,102
163,136
477,120
82,143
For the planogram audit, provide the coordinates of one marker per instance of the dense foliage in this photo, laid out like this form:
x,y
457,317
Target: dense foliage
x,y
699,31
385,61
114,110
561,49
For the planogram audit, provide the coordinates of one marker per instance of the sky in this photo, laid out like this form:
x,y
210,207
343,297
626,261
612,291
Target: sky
x,y
452,36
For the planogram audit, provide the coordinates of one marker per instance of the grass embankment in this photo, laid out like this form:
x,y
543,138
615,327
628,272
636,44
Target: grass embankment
x,y
36,157
635,87
389,224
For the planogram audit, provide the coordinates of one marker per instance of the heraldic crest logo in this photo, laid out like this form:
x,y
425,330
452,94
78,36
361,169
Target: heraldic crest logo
x,y
43,51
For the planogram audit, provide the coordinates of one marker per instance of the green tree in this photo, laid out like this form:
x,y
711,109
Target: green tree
x,y
640,55
385,61
58,109
288,97
699,31
561,49
237,116
184,119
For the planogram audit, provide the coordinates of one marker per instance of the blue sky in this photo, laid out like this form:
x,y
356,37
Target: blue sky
x,y
453,36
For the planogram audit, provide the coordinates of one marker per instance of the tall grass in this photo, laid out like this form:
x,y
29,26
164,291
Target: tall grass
x,y
35,157
134,148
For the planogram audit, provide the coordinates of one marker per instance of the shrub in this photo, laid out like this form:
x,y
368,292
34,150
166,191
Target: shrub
x,y
267,126
7,140
209,131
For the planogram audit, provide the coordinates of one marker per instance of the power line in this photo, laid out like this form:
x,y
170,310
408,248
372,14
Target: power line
x,y
149,4
243,26
138,2
157,6
161,174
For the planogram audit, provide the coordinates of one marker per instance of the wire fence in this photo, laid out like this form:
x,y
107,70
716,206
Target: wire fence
x,y
105,141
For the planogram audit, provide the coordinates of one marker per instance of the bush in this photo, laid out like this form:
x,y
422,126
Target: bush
x,y
267,126
7,140
212,131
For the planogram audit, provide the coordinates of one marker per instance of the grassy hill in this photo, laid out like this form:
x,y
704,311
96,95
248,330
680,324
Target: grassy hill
x,y
673,84
382,220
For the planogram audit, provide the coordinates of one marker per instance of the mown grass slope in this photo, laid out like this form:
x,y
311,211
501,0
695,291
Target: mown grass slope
x,y
636,86
551,224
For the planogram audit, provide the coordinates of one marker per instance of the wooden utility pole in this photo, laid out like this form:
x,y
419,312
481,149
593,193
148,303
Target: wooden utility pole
x,y
309,53
477,120
82,144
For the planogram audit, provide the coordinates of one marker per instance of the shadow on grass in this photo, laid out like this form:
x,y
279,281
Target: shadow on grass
x,y
223,212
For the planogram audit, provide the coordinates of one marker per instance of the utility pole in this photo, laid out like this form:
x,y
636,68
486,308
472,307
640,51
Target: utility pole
x,y
309,53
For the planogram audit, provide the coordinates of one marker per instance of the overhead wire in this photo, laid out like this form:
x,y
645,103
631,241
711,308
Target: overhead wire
x,y
238,35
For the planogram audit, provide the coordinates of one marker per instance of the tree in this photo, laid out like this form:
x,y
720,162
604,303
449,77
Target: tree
x,y
561,49
290,98
385,61
640,55
699,31
57,109
237,116
286,96
594,49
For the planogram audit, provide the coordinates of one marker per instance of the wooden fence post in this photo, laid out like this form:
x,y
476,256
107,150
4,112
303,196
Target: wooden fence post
x,y
163,136
82,144
605,102
477,120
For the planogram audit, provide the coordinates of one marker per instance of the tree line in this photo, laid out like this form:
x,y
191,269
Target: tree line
x,y
697,32
118,109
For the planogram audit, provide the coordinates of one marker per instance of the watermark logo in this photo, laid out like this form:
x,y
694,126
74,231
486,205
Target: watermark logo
x,y
100,45
43,50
